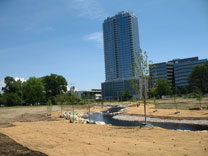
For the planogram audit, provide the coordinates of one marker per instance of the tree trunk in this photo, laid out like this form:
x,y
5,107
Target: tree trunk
x,y
144,99
145,112
89,112
73,111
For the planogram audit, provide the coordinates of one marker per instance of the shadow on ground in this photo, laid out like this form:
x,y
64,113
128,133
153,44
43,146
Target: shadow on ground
x,y
9,147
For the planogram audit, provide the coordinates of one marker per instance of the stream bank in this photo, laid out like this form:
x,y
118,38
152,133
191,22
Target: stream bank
x,y
115,117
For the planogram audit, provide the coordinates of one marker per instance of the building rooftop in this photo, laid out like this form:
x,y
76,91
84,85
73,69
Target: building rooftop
x,y
122,13
178,60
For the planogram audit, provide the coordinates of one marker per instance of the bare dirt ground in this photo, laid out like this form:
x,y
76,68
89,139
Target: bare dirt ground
x,y
8,115
27,114
168,113
32,128
61,138
23,114
8,147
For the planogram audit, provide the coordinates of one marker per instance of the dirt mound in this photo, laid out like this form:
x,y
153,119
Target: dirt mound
x,y
32,118
9,147
26,117
5,125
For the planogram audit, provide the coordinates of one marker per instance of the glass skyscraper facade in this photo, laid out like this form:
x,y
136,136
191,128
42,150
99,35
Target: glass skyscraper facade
x,y
121,42
182,69
176,71
162,70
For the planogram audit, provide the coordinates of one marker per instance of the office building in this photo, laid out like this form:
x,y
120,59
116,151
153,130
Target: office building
x,y
121,41
162,70
182,69
176,71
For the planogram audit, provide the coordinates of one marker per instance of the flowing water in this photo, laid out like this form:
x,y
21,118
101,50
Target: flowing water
x,y
107,117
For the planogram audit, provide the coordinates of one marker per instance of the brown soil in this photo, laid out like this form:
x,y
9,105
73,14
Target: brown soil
x,y
23,114
9,147
26,114
61,138
168,113
26,117
33,114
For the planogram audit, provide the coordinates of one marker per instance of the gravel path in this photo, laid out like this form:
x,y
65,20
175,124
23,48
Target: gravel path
x,y
141,118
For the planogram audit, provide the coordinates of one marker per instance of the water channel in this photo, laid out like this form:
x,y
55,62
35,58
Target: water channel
x,y
107,118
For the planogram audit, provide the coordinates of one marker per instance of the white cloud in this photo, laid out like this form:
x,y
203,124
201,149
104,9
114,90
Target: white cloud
x,y
2,84
21,79
89,9
96,37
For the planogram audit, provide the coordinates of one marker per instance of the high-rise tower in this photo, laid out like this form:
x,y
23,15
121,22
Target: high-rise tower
x,y
121,41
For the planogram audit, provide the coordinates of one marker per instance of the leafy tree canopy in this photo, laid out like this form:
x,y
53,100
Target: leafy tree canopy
x,y
12,86
199,77
72,98
183,90
125,95
196,92
54,85
11,99
163,87
176,91
33,90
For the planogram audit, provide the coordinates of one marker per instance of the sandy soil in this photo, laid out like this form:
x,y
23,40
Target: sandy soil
x,y
61,138
23,114
167,113
36,113
28,114
9,147
159,120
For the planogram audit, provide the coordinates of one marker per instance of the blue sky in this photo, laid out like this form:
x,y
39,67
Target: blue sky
x,y
39,37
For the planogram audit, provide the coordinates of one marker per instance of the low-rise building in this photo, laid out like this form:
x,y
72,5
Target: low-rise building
x,y
176,71
182,69
94,94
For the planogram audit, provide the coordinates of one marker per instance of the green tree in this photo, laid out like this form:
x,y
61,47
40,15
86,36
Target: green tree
x,y
54,85
72,99
49,107
183,90
12,86
2,99
11,99
152,93
175,103
12,95
199,77
163,87
33,90
140,69
176,91
61,98
197,93
125,95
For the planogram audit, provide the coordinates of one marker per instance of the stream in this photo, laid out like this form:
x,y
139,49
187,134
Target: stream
x,y
107,118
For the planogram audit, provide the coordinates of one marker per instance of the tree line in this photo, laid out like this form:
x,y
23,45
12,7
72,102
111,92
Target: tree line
x,y
36,91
